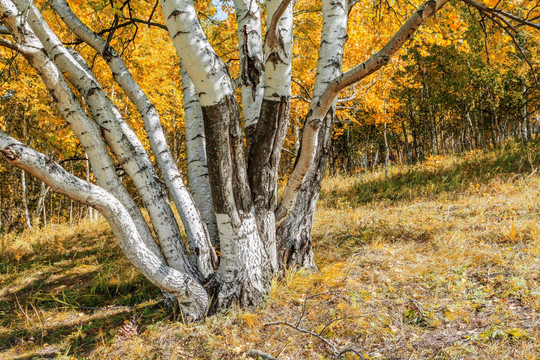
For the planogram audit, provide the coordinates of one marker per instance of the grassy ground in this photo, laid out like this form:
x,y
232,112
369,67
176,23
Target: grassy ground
x,y
440,261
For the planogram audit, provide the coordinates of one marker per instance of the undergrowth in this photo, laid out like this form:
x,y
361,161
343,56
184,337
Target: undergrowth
x,y
440,260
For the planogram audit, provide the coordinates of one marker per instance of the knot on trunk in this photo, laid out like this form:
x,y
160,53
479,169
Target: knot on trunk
x,y
9,153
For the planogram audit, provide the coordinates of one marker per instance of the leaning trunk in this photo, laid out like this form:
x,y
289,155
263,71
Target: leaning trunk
x,y
294,234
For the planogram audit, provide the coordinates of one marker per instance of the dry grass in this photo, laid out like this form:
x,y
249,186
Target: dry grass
x,y
440,261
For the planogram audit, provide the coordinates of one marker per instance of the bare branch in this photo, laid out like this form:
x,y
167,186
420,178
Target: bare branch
x,y
500,13
76,158
302,86
500,18
324,103
259,354
131,22
13,46
326,341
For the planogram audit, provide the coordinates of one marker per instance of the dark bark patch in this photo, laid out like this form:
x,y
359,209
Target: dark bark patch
x,y
265,151
226,164
252,66
175,13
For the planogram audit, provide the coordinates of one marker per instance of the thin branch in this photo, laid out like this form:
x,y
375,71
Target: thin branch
x,y
326,341
525,57
288,151
73,159
301,98
344,351
302,86
501,13
13,46
110,36
153,11
350,98
504,24
130,22
304,306
339,319
382,57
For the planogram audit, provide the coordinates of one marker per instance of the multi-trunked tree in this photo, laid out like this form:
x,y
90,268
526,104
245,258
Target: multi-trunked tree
x,y
232,203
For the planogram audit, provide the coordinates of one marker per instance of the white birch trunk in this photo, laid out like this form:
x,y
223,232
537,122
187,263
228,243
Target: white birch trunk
x,y
199,182
248,16
278,51
266,141
238,277
196,233
325,100
205,68
295,248
25,200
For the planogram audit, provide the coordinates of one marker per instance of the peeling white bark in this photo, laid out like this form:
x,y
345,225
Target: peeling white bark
x,y
226,165
266,141
278,51
240,245
190,294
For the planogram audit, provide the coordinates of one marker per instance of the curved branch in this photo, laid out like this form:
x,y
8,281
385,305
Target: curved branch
x,y
190,294
500,18
383,56
131,22
318,111
13,46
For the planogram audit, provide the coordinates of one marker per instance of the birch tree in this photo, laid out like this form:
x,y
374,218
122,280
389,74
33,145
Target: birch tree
x,y
234,150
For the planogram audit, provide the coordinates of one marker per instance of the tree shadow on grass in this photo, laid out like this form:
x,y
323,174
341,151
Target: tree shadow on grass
x,y
70,295
78,333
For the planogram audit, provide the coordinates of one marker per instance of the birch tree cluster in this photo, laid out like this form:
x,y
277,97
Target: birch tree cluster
x,y
174,106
